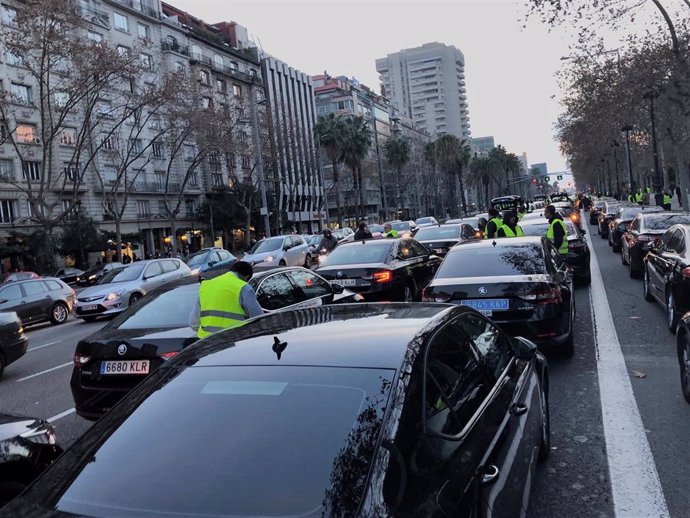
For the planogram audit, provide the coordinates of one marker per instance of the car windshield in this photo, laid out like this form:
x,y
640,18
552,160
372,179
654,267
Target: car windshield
x,y
267,245
629,213
663,222
375,228
315,240
540,228
424,221
129,273
359,253
275,418
438,232
493,261
196,259
169,309
401,227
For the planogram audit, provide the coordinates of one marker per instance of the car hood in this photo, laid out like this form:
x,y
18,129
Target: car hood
x,y
261,256
101,290
11,425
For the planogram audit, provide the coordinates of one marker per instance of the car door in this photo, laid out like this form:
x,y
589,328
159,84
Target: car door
x,y
297,251
669,259
310,289
12,299
153,276
656,268
171,270
37,300
276,292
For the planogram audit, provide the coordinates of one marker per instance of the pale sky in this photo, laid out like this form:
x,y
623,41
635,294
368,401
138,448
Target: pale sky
x,y
511,89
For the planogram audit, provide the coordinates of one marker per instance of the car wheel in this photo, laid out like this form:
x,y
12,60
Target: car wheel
x,y
307,261
134,298
684,357
647,292
671,312
616,248
545,441
624,262
282,263
634,272
585,281
59,313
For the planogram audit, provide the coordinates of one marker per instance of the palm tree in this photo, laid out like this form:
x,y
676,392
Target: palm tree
x,y
356,145
329,132
398,155
482,174
513,166
430,158
453,154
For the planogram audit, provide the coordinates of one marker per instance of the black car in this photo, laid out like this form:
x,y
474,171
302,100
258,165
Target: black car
x,y
597,206
94,274
643,232
69,275
578,255
621,221
38,300
605,216
667,274
110,362
424,410
522,283
382,269
683,349
441,238
13,341
27,447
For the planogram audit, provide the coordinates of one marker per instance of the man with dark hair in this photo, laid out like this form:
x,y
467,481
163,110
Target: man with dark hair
x,y
557,232
510,227
495,222
362,232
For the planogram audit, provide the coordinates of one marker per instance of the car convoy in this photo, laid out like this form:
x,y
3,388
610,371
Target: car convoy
x,y
451,384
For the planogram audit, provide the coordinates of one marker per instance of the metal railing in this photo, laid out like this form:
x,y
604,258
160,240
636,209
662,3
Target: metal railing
x,y
141,6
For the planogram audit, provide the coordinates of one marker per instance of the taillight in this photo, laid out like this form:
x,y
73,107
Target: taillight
x,y
574,217
382,276
167,356
686,272
479,234
544,295
80,360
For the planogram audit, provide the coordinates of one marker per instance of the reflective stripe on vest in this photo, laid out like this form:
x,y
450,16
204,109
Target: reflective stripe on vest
x,y
219,299
509,231
498,222
550,234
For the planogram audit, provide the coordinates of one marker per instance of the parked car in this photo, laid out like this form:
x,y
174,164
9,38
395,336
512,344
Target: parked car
x,y
20,276
441,238
376,231
404,228
522,283
425,221
209,258
69,275
621,221
606,215
667,274
145,336
94,274
559,197
644,230
27,447
384,269
359,423
597,206
279,251
38,300
13,341
124,286
478,223
344,235
683,350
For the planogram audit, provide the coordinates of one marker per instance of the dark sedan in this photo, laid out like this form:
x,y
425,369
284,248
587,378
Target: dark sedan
x,y
621,221
522,283
38,300
403,411
69,275
683,350
441,238
110,362
95,273
667,274
597,206
13,341
643,232
605,216
382,270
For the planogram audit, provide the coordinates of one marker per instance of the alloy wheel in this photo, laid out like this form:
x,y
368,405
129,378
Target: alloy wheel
x,y
59,313
134,298
645,284
545,443
671,312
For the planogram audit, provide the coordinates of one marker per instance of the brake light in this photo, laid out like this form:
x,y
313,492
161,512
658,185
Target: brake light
x,y
80,360
576,245
574,217
544,295
167,356
686,272
383,276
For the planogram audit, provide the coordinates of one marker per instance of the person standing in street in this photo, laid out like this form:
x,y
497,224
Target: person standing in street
x,y
680,200
328,242
226,301
510,227
389,231
363,232
495,222
667,201
557,232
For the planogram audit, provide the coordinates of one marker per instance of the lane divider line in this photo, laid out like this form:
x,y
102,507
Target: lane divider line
x,y
61,415
44,345
45,371
635,483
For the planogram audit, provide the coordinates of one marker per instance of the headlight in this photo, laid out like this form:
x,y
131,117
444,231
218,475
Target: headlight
x,y
92,277
113,296
195,271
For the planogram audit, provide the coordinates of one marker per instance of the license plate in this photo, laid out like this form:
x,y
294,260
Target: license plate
x,y
125,367
89,307
490,305
345,283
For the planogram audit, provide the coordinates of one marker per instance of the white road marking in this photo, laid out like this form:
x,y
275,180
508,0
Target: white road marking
x,y
634,479
44,345
61,415
45,371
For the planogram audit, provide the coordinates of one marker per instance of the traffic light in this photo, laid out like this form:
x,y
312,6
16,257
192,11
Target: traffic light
x,y
534,180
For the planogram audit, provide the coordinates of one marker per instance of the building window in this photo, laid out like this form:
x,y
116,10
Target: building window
x,y
194,179
218,62
220,86
135,145
206,103
196,53
108,142
143,208
189,152
189,207
60,100
179,67
143,31
161,207
6,211
14,60
246,162
6,169
68,137
109,175
95,36
32,170
217,180
237,90
26,134
9,16
3,131
242,138
160,180
146,61
104,108
121,22
204,77
21,94
157,150
72,172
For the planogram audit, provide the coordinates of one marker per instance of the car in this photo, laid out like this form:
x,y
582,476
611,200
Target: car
x,y
425,221
13,341
522,283
279,251
622,219
144,337
667,274
578,256
27,447
683,354
441,238
344,235
404,228
606,215
270,419
383,269
644,230
94,274
123,287
38,300
376,231
209,258
478,223
559,197
597,206
19,276
69,275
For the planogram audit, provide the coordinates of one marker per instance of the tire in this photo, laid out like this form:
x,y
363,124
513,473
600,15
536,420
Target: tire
x,y
646,288
671,313
59,313
545,439
567,348
585,281
623,261
133,298
9,490
684,359
616,248
307,261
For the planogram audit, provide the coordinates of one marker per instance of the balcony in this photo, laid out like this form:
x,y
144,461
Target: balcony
x,y
140,6
198,58
155,188
169,46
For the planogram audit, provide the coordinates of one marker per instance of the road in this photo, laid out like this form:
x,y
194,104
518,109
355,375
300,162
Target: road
x,y
576,481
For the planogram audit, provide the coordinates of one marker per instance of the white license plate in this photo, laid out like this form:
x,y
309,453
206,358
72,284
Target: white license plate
x,y
89,307
345,283
125,367
486,312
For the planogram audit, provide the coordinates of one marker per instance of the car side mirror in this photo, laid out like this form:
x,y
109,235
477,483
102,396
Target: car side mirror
x,y
286,248
524,349
337,289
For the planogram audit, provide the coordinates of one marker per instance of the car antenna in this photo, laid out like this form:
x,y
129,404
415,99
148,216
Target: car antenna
x,y
494,242
278,346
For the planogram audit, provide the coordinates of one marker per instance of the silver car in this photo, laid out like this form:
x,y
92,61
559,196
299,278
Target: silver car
x,y
122,287
279,251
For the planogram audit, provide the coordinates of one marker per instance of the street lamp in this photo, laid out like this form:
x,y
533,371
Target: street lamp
x,y
615,145
627,129
81,244
260,162
658,182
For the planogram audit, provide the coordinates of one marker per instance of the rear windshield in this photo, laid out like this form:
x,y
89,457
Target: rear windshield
x,y
662,222
492,261
259,441
440,233
358,253
400,227
170,309
197,259
423,221
539,229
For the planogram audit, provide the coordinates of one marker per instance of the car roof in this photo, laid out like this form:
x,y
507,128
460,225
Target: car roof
x,y
347,335
499,242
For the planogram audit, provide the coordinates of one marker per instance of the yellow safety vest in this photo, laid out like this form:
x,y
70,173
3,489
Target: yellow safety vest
x,y
509,232
392,233
219,299
550,234
521,215
639,197
667,199
498,222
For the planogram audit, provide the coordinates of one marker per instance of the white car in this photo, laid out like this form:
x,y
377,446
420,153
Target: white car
x,y
122,287
279,251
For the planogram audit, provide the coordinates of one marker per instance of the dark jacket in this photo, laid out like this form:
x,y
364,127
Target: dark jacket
x,y
361,235
328,243
558,233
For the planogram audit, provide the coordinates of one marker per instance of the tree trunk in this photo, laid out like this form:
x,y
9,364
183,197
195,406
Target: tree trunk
x,y
247,222
683,179
486,196
362,210
173,231
47,255
398,194
355,188
463,202
118,239
337,193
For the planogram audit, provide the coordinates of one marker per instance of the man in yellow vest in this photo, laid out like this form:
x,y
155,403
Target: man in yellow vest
x,y
557,232
510,227
667,201
495,222
389,231
227,300
639,197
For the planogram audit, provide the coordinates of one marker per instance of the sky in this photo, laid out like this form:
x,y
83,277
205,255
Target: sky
x,y
510,69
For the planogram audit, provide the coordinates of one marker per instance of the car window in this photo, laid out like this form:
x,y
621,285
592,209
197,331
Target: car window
x,y
11,293
267,245
681,242
419,249
59,273
311,285
674,241
223,255
297,240
441,232
153,270
52,285
666,240
493,261
405,250
493,346
358,253
635,225
276,292
170,266
34,288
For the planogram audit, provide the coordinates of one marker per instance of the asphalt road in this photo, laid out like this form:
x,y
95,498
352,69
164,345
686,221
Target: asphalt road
x,y
575,480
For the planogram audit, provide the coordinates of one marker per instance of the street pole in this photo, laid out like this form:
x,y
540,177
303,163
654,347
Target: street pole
x,y
657,180
627,129
324,196
615,161
82,264
380,166
260,163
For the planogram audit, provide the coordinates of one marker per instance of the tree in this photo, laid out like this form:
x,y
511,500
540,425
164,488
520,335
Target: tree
x,y
483,173
79,237
330,134
357,141
453,155
398,155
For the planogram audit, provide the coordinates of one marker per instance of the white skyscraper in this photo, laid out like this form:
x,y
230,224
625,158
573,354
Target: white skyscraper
x,y
427,85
